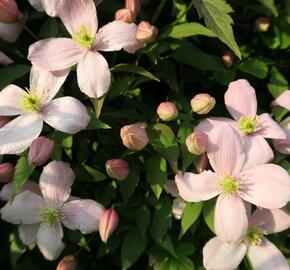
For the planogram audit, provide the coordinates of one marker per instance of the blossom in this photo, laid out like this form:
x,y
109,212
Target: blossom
x,y
49,6
34,106
283,100
202,103
108,223
265,185
41,216
261,252
283,146
80,19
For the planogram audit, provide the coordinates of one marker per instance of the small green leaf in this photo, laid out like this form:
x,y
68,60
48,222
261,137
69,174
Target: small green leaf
x,y
16,248
278,84
255,67
10,73
270,5
167,244
97,176
96,123
208,213
143,219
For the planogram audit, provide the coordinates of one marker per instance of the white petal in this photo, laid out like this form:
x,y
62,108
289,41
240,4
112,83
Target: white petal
x,y
27,233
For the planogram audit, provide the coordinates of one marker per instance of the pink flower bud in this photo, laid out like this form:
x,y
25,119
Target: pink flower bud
x,y
10,31
283,146
9,11
4,120
134,6
117,168
262,24
167,111
196,143
134,137
146,32
228,59
67,263
108,223
6,172
202,103
40,151
125,15
201,163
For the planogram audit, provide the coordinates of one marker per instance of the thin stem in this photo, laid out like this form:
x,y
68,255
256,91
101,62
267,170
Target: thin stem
x,y
158,11
29,31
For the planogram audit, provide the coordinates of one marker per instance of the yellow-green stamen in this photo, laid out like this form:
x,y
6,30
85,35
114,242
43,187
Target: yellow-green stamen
x,y
50,216
31,102
254,236
229,185
248,125
83,37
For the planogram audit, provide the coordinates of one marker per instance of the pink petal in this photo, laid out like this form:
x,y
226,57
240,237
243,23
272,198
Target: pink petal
x,y
50,7
218,255
272,221
27,233
76,14
283,100
240,99
25,208
55,53
257,150
10,100
93,74
83,215
46,84
55,182
10,31
230,219
118,35
197,187
66,114
171,188
283,146
266,185
37,4
267,256
226,150
269,128
17,135
49,240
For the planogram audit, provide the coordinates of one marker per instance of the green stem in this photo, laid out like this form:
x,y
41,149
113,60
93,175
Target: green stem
x,y
158,11
29,31
184,13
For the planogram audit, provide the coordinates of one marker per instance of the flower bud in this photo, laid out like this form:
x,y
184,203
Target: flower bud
x,y
134,6
196,143
146,32
134,137
10,31
108,223
167,111
201,163
178,206
117,168
67,263
202,103
40,151
4,120
125,15
262,24
6,172
283,145
9,11
228,59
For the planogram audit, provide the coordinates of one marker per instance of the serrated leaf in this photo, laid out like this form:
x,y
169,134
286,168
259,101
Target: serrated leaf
x,y
255,67
10,73
278,83
181,7
143,219
270,5
217,18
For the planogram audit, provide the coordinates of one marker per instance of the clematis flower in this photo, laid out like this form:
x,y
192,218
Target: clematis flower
x,y
45,214
66,114
283,146
218,255
80,19
265,185
241,102
283,100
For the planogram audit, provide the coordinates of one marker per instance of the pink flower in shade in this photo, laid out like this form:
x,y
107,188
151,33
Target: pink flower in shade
x,y
241,102
80,19
49,6
66,114
265,185
283,100
41,216
218,255
283,146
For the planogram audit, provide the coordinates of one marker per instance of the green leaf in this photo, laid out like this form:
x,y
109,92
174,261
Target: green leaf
x,y
49,29
187,30
208,213
134,69
181,8
167,244
190,214
217,18
255,67
10,73
270,5
119,86
185,249
156,174
143,219
96,123
132,247
97,176
278,84
22,171
16,248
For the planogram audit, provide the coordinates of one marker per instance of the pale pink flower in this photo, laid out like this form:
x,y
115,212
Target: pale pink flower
x,y
65,114
80,19
265,185
241,102
283,100
283,146
10,31
49,6
218,255
41,217
108,223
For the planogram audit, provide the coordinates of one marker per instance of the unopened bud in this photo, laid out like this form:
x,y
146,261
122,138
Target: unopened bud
x,y
146,32
201,163
40,151
67,263
4,120
117,168
228,59
9,11
134,137
262,24
196,143
202,103
283,145
167,111
125,15
6,172
108,223
178,206
134,6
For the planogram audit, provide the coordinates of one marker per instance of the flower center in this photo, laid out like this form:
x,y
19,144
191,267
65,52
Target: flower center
x,y
50,216
83,37
254,236
248,125
31,102
229,185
